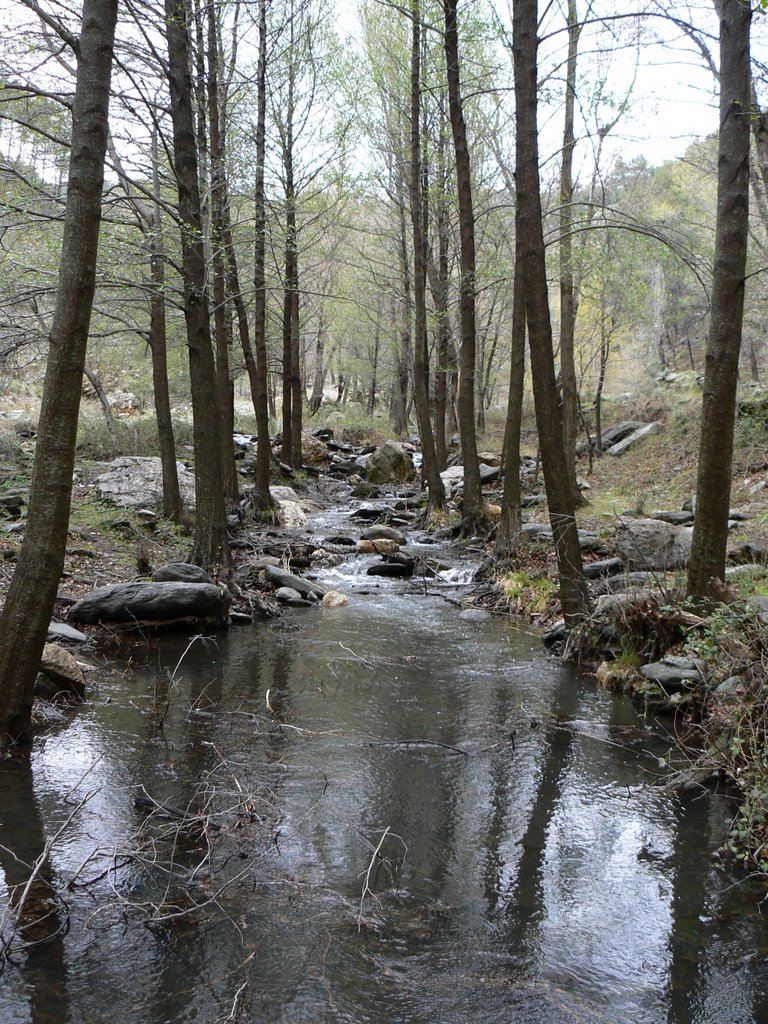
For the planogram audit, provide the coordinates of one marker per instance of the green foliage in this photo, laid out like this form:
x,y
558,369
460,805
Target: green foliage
x,y
530,594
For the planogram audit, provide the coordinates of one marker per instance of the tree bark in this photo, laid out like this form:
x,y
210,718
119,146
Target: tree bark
x,y
509,534
573,591
472,500
222,333
172,505
568,299
259,380
429,469
713,484
211,544
28,606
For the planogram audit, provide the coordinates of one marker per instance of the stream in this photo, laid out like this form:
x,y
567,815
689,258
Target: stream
x,y
392,815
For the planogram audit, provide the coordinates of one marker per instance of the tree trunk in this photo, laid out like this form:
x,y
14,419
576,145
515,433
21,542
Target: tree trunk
x,y
403,351
28,606
430,472
106,408
292,394
472,501
259,380
222,334
573,591
713,484
375,362
568,299
211,544
318,379
172,505
509,534
605,345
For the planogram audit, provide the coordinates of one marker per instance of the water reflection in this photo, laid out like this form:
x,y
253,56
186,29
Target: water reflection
x,y
33,912
529,873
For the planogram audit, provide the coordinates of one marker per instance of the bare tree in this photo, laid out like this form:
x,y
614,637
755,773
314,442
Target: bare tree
x,y
28,606
713,483
473,501
573,591
211,543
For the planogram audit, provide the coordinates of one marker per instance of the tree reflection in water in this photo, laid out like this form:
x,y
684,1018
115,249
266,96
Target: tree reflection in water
x,y
34,915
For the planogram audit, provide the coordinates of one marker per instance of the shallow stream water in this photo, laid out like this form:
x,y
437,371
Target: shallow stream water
x,y
410,819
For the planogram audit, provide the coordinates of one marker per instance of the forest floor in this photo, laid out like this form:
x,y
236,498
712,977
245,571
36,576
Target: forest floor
x,y
107,544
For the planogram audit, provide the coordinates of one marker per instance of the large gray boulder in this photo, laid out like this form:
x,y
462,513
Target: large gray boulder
x,y
180,572
637,435
653,545
390,464
152,602
278,578
137,482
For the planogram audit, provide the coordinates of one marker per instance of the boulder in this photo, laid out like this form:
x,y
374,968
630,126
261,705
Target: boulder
x,y
313,450
633,438
292,515
612,434
390,464
61,674
474,615
335,599
279,578
488,473
365,490
391,570
672,673
385,546
382,532
605,567
152,602
12,502
61,631
628,581
137,481
288,595
180,572
683,518
653,545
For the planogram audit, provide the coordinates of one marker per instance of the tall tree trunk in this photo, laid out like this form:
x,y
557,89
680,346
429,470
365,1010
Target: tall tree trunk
x,y
509,534
573,591
222,333
713,483
211,544
473,500
403,351
150,219
318,379
605,347
371,406
28,606
568,298
292,395
172,505
429,469
260,381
